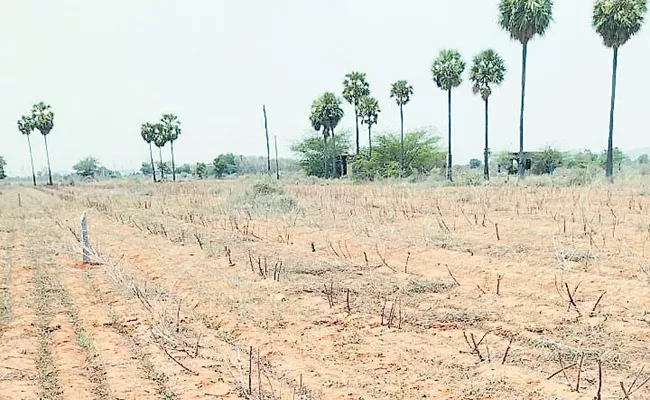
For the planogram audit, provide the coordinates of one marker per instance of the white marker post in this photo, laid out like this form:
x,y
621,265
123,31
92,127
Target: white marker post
x,y
84,239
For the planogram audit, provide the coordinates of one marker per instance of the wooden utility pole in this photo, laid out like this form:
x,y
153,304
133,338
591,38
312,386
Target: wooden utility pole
x,y
268,146
277,162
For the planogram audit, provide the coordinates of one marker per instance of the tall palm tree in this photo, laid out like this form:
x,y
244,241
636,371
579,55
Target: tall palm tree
x,y
616,21
487,69
355,88
524,19
315,119
401,91
447,70
160,140
43,119
369,112
149,135
327,113
26,126
172,128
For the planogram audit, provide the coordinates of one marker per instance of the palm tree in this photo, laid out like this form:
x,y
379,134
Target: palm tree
x,y
616,21
355,89
160,140
401,91
524,19
369,112
26,126
43,119
327,113
315,119
487,69
447,70
172,128
149,135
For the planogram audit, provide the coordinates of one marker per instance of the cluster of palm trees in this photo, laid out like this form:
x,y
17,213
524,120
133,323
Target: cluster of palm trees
x,y
167,130
41,119
616,21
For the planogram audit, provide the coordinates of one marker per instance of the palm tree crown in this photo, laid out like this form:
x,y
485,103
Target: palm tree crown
x,y
328,110
171,125
355,87
401,91
160,135
369,110
148,133
25,125
616,21
447,69
487,69
525,18
43,118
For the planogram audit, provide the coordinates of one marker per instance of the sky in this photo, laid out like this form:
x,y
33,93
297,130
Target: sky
x,y
107,67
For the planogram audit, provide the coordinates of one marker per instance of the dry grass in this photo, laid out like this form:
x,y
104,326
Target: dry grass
x,y
378,291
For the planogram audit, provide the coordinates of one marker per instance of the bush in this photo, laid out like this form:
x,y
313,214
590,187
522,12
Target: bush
x,y
317,157
421,155
265,197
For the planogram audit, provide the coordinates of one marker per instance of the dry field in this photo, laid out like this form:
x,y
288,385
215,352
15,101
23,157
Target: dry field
x,y
242,289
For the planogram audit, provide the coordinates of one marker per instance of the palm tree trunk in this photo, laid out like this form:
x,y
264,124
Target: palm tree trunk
x,y
31,159
47,153
401,140
522,161
325,154
356,120
486,168
162,166
333,154
449,162
153,166
609,169
369,140
171,143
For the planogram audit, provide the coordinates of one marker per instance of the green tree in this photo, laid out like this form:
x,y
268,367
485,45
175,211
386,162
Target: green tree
x,y
145,169
224,164
201,170
475,163
583,160
149,135
369,112
26,127
312,153
160,140
172,128
88,167
326,114
546,161
421,153
401,91
43,119
184,169
616,21
3,164
643,159
488,69
355,88
524,19
614,156
447,71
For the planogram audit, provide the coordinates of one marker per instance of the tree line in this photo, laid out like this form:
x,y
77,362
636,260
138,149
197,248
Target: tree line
x,y
616,21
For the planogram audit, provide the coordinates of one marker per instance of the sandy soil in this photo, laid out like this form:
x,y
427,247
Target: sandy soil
x,y
340,291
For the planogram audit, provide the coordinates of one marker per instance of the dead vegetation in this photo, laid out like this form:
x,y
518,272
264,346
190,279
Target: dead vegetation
x,y
323,286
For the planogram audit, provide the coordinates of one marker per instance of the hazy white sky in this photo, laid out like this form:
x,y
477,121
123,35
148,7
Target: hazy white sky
x,y
106,67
